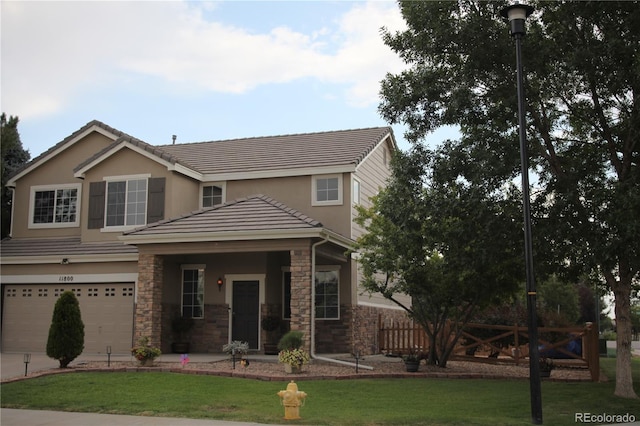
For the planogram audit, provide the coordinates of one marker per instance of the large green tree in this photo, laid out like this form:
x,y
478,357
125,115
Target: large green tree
x,y
445,243
582,66
13,156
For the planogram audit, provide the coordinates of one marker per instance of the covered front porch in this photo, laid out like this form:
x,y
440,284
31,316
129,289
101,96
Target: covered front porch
x,y
228,280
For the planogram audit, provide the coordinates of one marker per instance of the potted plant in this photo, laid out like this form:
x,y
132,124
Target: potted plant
x,y
144,352
546,365
291,353
412,361
181,327
271,324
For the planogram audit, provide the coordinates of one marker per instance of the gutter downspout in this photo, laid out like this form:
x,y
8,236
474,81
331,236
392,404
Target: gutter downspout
x,y
313,314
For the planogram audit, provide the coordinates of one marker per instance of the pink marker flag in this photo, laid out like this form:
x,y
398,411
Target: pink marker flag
x,y
184,359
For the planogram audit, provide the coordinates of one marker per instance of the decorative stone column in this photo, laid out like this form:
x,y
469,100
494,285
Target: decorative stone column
x,y
148,321
301,293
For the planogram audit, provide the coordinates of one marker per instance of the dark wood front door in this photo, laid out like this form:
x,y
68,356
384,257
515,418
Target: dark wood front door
x,y
246,309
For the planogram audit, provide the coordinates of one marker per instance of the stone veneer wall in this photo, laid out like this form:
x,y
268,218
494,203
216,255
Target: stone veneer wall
x,y
366,323
212,332
334,336
148,312
208,334
301,293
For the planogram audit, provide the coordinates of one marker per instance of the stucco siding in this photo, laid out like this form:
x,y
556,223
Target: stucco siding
x,y
57,170
180,193
295,192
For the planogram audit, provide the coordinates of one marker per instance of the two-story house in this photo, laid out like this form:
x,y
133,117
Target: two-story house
x,y
224,232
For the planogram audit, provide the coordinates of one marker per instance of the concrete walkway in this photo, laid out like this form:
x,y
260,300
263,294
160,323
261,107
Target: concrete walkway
x,y
11,417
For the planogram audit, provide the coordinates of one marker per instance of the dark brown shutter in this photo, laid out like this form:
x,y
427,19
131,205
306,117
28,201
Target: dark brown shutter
x,y
155,209
96,204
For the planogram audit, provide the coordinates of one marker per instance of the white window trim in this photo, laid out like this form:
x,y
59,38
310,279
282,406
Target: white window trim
x,y
355,194
191,267
32,200
329,268
314,193
108,179
222,185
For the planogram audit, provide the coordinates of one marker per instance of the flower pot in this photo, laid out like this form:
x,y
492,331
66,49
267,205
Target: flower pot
x,y
292,369
412,365
145,362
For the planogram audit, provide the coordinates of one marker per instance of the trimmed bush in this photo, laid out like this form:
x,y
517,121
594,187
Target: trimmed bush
x,y
66,334
291,340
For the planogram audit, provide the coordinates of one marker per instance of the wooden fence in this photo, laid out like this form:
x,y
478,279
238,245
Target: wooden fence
x,y
500,343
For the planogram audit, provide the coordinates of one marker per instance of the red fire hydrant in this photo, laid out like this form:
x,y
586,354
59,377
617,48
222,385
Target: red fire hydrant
x,y
292,399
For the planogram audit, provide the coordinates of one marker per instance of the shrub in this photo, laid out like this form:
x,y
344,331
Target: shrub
x,y
66,334
143,351
291,340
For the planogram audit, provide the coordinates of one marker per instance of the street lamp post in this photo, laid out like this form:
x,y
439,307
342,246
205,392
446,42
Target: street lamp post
x,y
517,15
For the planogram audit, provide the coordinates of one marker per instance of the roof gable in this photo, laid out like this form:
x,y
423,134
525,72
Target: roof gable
x,y
78,135
143,148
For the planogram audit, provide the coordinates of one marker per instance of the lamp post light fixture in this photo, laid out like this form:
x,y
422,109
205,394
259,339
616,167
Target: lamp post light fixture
x,y
517,15
108,356
220,283
27,360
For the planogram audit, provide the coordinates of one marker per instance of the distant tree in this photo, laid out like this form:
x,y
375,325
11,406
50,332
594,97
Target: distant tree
x,y
13,156
559,301
446,244
66,334
583,115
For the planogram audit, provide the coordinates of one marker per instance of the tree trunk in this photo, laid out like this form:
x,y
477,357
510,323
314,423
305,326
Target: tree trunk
x,y
624,381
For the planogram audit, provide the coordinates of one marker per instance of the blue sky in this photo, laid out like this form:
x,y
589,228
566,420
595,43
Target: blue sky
x,y
199,70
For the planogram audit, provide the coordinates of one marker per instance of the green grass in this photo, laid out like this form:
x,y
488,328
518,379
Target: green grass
x,y
330,402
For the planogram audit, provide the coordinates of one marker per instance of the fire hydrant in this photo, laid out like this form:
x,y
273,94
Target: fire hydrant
x,y
292,399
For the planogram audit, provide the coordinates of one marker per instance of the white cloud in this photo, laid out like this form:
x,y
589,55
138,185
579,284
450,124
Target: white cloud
x,y
52,51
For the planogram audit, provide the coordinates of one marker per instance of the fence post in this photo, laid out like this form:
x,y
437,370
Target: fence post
x,y
516,334
593,352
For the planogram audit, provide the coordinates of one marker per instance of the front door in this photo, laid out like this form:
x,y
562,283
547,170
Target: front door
x,y
246,310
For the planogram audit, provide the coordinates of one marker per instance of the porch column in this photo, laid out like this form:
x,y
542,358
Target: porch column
x,y
148,320
301,293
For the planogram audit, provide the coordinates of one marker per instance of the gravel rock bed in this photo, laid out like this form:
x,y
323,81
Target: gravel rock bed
x,y
386,368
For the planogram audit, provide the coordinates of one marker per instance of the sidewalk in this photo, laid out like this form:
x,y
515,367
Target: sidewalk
x,y
11,417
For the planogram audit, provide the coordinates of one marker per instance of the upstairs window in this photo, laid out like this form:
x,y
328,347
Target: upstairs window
x,y
126,202
121,202
212,195
54,206
327,190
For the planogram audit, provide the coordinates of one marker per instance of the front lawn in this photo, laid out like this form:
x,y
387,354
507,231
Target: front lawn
x,y
329,402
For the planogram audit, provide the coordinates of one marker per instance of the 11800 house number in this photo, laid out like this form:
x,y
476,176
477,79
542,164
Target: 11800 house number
x,y
65,278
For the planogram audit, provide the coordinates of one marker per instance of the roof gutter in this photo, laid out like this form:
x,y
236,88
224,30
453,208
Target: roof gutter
x,y
313,313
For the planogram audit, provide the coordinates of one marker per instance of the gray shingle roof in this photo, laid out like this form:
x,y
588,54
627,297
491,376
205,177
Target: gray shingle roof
x,y
60,246
252,214
343,147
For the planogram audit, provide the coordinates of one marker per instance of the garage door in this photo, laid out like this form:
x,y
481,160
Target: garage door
x,y
106,309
